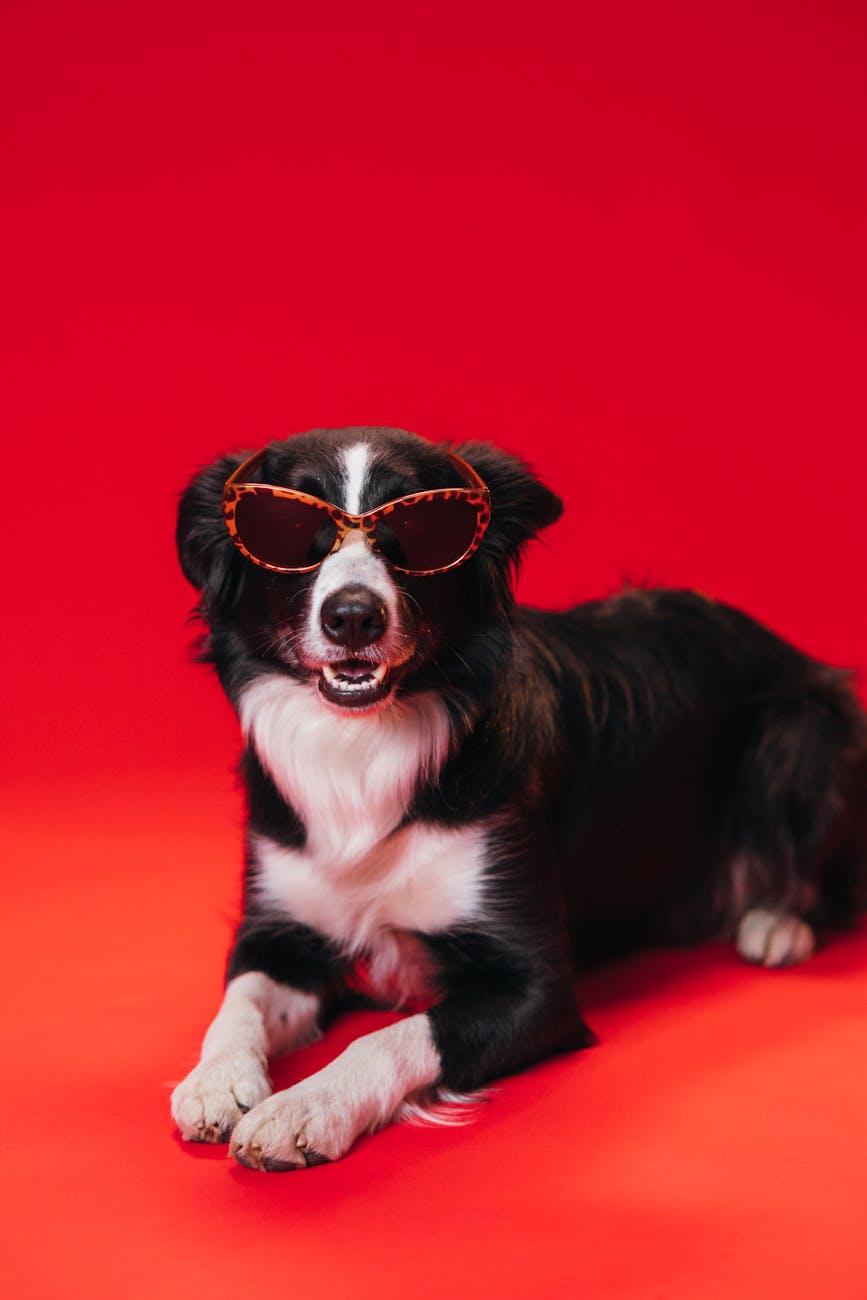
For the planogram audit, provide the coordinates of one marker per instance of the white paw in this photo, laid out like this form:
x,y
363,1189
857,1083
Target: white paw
x,y
774,937
304,1125
217,1093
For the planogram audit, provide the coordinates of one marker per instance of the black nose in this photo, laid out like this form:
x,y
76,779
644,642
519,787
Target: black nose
x,y
353,617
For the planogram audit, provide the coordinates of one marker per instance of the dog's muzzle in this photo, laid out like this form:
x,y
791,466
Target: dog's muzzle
x,y
354,618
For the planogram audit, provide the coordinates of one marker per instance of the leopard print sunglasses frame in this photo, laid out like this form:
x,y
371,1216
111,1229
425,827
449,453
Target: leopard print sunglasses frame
x,y
476,495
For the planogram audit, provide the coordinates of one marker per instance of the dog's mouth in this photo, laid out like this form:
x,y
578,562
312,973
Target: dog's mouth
x,y
354,683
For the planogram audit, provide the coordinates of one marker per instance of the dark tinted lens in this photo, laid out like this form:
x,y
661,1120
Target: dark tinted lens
x,y
428,534
278,530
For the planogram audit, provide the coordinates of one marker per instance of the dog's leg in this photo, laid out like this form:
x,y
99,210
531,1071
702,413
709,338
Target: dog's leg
x,y
502,1019
799,825
258,1018
319,1119
774,937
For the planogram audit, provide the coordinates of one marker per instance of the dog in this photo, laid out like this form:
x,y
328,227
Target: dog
x,y
454,802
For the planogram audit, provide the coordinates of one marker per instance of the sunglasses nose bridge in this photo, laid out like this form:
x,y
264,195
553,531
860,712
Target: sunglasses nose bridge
x,y
351,532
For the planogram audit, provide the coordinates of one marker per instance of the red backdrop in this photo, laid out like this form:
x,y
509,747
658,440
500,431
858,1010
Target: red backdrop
x,y
626,241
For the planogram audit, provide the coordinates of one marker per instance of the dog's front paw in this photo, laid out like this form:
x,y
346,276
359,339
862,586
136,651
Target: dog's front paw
x,y
215,1095
305,1125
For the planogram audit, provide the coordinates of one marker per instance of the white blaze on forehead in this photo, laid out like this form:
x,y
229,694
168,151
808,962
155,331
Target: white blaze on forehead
x,y
356,460
353,564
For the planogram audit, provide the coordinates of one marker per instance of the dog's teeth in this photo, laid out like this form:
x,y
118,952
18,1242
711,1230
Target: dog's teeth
x,y
374,677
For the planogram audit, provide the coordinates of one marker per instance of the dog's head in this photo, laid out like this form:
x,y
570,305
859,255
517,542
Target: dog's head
x,y
356,627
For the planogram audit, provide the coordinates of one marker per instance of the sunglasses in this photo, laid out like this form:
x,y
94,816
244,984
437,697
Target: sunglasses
x,y
292,532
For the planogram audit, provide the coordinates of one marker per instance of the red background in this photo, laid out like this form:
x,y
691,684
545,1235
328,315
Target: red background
x,y
626,241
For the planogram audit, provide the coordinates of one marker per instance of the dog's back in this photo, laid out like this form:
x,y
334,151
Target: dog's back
x,y
710,769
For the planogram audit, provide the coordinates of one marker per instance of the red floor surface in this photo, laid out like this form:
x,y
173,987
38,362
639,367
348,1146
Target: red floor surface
x,y
713,1145
626,241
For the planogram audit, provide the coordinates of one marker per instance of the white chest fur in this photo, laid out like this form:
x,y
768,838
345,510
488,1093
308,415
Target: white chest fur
x,y
350,779
421,878
359,879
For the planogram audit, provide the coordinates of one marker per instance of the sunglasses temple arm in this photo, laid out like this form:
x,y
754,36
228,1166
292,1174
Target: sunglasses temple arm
x,y
246,467
470,476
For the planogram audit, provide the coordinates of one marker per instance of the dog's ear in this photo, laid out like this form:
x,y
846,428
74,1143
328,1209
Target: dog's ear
x,y
209,558
521,504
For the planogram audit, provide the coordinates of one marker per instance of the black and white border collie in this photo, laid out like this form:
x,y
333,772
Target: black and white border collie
x,y
452,812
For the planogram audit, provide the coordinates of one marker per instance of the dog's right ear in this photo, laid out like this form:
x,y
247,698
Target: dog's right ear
x,y
209,558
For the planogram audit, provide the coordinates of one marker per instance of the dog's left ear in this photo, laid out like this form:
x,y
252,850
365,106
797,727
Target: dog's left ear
x,y
209,558
521,504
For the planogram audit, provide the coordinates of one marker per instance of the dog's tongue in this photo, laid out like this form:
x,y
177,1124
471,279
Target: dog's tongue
x,y
353,670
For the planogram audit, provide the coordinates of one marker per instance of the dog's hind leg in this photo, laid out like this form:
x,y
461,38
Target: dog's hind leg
x,y
770,936
799,820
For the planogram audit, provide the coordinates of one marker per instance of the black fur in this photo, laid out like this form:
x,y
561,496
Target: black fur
x,y
656,763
